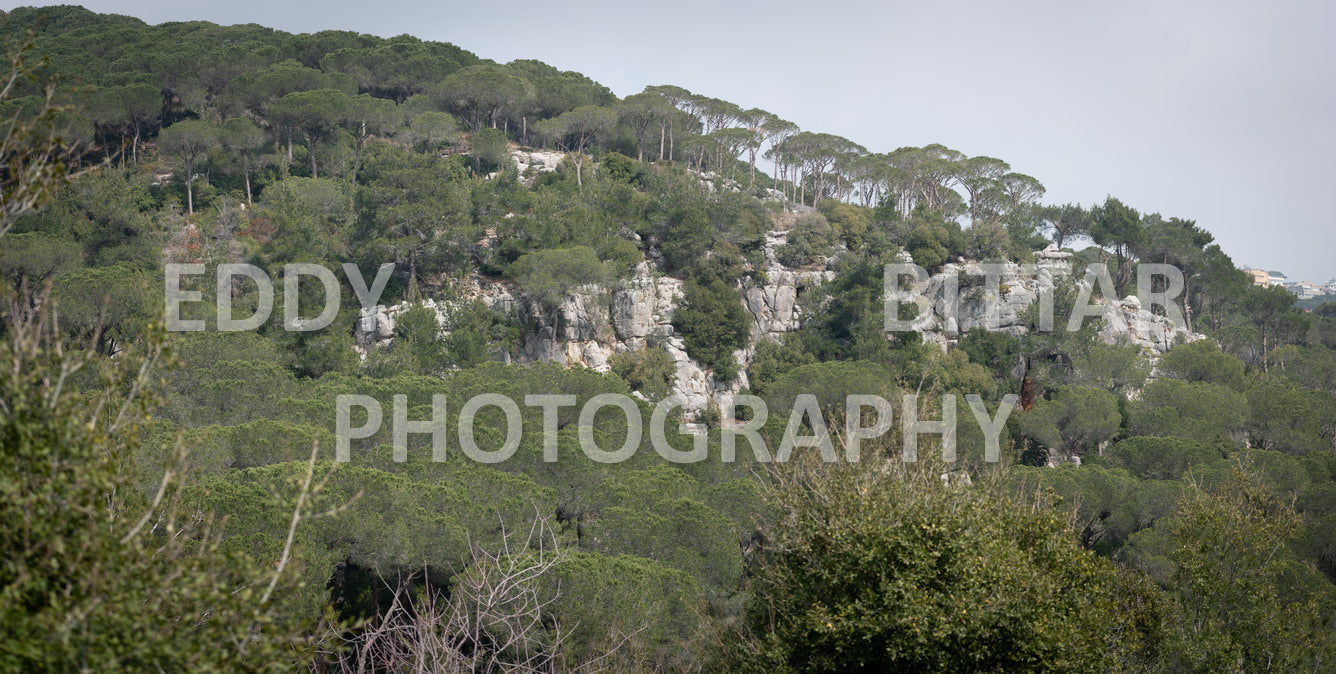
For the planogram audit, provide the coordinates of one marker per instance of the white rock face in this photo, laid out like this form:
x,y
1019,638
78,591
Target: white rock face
x,y
713,182
1019,287
594,323
542,161
1126,322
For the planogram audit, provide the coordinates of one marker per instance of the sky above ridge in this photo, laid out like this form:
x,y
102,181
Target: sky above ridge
x,y
1219,111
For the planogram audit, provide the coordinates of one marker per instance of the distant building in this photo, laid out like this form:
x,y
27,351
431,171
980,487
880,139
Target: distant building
x,y
1260,277
1306,290
1276,278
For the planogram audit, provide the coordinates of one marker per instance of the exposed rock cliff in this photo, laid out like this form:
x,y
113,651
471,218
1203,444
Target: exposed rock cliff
x,y
594,323
1019,287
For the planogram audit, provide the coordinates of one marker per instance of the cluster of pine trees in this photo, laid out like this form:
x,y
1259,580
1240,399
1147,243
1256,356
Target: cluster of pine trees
x,y
169,501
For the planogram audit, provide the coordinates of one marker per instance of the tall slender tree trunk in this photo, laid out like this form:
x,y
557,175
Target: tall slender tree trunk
x,y
1187,303
357,151
412,273
310,149
245,172
579,162
190,188
662,133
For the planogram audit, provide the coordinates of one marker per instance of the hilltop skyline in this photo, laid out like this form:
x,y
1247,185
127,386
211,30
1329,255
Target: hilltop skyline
x,y
1167,114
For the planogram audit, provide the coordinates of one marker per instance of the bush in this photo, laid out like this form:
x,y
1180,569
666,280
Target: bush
x,y
491,150
810,241
904,573
1201,411
650,371
93,579
773,359
849,222
1075,419
549,275
713,324
1153,458
622,168
1225,556
1203,361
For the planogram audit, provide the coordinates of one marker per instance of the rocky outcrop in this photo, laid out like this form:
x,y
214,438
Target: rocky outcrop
x,y
541,161
594,323
1126,322
1019,287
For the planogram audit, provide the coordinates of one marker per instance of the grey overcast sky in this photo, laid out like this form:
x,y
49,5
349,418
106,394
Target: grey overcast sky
x,y
1222,111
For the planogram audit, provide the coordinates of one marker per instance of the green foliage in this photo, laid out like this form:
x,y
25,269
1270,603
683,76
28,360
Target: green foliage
x,y
831,383
481,94
105,213
476,334
1283,416
713,324
418,337
350,147
33,257
315,114
114,304
189,141
993,349
907,573
621,168
809,241
1160,458
490,148
1065,222
89,581
1225,557
556,91
307,221
1114,368
1074,420
1117,225
654,609
462,335
217,449
1203,361
849,320
1209,413
549,276
1106,505
431,129
396,68
849,222
415,211
772,359
681,533
650,371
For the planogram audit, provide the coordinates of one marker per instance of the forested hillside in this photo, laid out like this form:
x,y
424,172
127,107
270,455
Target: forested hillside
x,y
170,500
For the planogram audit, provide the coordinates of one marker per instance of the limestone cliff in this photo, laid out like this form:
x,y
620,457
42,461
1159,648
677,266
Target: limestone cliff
x,y
595,322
